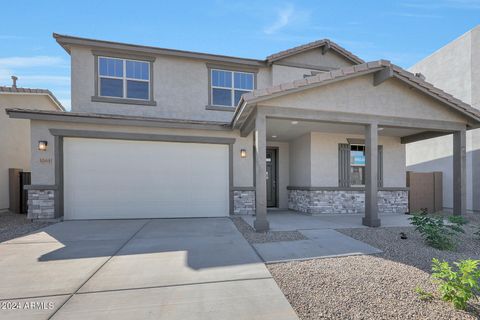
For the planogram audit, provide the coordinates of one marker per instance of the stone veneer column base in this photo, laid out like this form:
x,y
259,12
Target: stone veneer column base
x,y
345,201
244,202
41,204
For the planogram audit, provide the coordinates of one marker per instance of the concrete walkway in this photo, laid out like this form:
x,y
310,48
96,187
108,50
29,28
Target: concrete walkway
x,y
289,220
138,269
324,243
322,240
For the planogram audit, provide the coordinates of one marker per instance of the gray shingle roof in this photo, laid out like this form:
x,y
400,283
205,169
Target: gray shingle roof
x,y
312,45
33,91
358,70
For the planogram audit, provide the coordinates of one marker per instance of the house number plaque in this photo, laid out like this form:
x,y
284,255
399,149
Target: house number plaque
x,y
45,160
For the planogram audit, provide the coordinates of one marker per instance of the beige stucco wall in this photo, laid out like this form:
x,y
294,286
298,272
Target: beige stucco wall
x,y
300,161
15,137
180,89
44,173
283,74
315,57
283,171
392,98
454,68
324,159
180,85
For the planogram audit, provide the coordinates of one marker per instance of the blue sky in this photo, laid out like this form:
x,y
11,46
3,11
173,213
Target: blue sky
x,y
402,31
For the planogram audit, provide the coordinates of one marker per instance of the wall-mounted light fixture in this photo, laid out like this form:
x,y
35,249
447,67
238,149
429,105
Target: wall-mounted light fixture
x,y
42,145
243,153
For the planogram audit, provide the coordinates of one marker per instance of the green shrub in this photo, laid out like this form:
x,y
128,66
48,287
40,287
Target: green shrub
x,y
460,285
435,232
457,220
424,295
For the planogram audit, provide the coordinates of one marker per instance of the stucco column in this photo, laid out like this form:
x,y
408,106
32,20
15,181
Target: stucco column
x,y
261,222
459,173
371,171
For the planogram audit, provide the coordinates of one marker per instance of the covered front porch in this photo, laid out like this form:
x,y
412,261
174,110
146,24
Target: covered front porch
x,y
376,107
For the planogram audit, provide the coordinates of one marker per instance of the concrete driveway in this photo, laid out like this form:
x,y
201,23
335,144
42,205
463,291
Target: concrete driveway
x,y
137,269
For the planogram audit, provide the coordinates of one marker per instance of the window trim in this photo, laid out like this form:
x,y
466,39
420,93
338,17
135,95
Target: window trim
x,y
344,167
233,69
232,88
122,100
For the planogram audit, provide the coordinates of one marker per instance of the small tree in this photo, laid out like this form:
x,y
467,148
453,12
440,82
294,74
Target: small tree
x,y
460,285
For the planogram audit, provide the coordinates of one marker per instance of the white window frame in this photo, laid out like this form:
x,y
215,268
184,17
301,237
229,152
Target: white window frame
x,y
232,88
124,78
356,165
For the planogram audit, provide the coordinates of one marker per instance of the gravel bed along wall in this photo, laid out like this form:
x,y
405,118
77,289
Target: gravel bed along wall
x,y
13,225
261,237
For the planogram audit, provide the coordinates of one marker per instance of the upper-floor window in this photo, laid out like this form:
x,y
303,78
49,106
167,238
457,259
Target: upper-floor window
x,y
228,86
123,78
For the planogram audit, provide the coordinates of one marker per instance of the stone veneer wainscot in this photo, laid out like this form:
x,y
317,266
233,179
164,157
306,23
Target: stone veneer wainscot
x,y
311,201
41,204
244,202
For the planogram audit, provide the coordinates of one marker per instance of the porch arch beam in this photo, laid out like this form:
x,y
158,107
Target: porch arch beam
x,y
423,136
359,119
248,125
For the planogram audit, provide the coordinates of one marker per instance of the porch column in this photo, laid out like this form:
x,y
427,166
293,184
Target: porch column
x,y
371,171
459,173
261,222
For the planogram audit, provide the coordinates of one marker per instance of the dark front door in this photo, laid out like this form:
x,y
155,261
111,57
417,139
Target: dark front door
x,y
271,177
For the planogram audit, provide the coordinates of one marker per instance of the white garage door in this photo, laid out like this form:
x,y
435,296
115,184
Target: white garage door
x,y
118,179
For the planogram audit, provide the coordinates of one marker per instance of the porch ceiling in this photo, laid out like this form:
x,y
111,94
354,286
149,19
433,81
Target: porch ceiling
x,y
285,130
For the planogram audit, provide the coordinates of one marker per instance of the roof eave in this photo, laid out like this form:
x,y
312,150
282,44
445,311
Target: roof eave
x,y
66,41
30,114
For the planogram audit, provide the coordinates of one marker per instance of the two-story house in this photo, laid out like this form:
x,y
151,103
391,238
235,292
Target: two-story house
x,y
164,133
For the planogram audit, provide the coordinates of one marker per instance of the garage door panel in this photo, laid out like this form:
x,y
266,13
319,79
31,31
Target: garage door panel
x,y
141,179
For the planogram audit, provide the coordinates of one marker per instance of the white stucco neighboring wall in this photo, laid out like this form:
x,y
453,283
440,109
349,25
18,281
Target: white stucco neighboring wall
x,y
15,137
455,68
436,155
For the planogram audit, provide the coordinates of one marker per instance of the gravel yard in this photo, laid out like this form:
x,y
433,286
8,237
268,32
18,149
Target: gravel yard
x,y
13,225
380,286
261,237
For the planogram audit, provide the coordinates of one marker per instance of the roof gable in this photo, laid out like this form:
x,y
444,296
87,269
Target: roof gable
x,y
388,69
31,91
324,45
